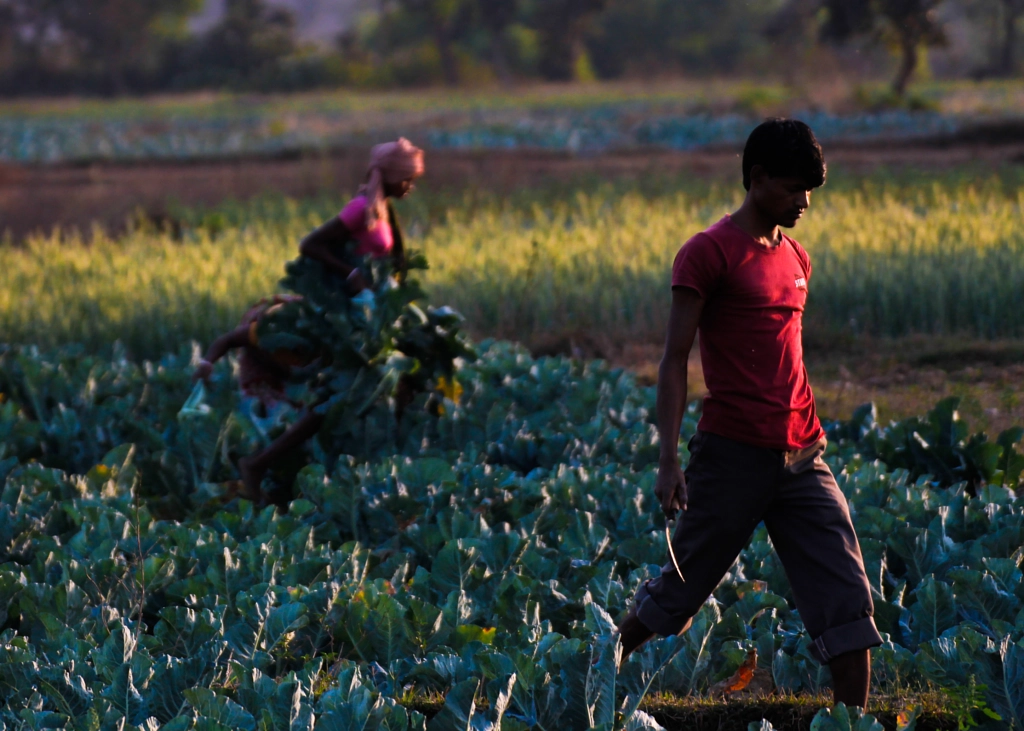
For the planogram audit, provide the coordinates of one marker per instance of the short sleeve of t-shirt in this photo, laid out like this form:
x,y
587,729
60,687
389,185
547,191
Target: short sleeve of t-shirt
x,y
805,260
699,265
354,215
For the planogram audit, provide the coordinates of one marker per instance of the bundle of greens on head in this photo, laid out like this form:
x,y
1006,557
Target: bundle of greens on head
x,y
377,346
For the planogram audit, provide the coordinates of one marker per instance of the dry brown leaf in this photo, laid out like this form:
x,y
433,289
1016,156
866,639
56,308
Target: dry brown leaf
x,y
740,679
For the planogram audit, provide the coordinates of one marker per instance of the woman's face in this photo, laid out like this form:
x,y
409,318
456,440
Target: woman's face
x,y
400,189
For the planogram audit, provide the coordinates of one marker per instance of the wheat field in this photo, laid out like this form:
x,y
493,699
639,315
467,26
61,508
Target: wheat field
x,y
892,257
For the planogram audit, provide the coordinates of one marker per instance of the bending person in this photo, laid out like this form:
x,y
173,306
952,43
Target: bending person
x,y
263,377
366,229
367,226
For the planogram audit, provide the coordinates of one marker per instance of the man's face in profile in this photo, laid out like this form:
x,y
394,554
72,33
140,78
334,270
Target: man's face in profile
x,y
782,200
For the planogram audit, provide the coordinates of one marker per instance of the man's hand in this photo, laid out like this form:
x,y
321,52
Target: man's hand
x,y
670,488
203,372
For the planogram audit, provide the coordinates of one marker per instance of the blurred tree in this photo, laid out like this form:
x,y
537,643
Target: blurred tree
x,y
115,40
244,49
910,23
496,16
848,18
446,21
913,23
1013,10
698,36
562,26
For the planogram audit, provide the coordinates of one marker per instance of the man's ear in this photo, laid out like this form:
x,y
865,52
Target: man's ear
x,y
757,175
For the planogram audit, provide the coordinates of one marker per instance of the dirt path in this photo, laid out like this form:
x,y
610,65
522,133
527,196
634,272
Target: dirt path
x,y
39,199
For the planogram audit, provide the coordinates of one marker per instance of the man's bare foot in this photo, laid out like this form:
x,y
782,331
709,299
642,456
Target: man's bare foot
x,y
252,481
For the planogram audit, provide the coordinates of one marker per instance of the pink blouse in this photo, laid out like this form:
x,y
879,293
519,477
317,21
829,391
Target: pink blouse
x,y
375,242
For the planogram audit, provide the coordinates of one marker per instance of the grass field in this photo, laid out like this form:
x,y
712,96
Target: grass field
x,y
953,97
941,256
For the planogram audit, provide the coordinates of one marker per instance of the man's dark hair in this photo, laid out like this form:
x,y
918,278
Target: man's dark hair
x,y
785,148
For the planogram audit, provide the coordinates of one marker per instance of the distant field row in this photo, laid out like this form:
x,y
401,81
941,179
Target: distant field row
x,y
951,97
578,119
942,256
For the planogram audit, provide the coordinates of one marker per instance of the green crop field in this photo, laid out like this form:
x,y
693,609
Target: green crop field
x,y
938,255
992,97
588,118
474,568
464,568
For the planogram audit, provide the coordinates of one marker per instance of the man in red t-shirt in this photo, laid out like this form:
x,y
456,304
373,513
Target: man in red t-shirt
x,y
757,454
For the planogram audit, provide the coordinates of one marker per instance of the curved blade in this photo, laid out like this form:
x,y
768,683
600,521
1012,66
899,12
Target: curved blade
x,y
668,535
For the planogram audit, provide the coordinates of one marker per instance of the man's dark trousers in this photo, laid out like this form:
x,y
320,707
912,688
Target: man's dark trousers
x,y
731,488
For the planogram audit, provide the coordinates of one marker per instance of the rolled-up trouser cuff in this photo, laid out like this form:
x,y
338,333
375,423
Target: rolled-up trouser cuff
x,y
655,618
832,643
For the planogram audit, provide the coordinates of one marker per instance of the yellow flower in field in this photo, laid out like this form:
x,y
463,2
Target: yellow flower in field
x,y
451,390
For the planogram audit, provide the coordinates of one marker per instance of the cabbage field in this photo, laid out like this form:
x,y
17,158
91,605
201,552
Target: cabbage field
x,y
602,129
576,119
480,556
465,568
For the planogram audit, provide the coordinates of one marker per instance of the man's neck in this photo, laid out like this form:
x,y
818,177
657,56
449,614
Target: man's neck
x,y
763,231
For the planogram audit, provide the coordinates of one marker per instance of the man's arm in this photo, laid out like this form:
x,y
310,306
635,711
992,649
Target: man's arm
x,y
684,317
237,338
319,245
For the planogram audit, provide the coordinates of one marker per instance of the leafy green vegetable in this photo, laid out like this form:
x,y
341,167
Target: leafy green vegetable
x,y
484,553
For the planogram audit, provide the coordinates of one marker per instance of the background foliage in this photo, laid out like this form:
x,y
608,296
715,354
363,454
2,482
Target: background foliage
x,y
117,47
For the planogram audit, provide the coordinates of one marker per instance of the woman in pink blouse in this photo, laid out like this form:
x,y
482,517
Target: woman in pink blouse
x,y
367,226
365,229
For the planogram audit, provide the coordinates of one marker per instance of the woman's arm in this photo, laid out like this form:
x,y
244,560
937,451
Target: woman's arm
x,y
237,338
398,246
321,244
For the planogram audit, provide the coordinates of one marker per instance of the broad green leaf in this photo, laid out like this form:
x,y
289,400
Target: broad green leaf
x,y
1012,655
934,611
386,629
641,721
219,709
452,569
283,620
459,708
125,697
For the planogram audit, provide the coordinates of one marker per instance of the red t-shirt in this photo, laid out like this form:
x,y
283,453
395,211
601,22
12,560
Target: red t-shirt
x,y
751,336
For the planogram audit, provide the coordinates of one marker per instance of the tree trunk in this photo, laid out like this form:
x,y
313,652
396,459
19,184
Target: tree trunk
x,y
908,61
500,59
559,52
1008,60
449,63
562,30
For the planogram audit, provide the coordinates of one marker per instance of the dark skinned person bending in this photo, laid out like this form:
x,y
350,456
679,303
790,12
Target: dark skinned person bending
x,y
365,228
757,453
